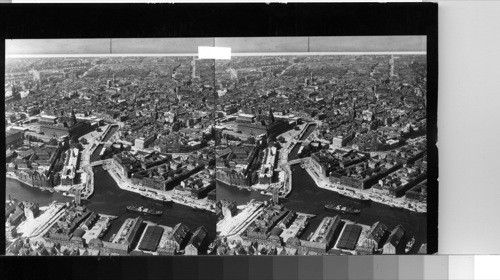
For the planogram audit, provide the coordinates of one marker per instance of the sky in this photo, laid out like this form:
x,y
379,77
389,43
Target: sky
x,y
238,45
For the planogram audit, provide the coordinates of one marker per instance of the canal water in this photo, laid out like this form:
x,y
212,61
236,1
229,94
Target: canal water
x,y
110,133
294,152
308,131
308,198
109,199
97,153
305,197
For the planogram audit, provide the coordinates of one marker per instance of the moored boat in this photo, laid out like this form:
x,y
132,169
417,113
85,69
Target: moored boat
x,y
342,208
410,244
157,198
353,195
361,197
211,248
310,236
104,230
143,210
68,194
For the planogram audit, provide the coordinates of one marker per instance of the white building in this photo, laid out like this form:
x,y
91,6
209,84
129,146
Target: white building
x,y
267,167
69,170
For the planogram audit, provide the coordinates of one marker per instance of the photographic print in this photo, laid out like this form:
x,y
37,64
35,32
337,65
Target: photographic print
x,y
323,153
316,146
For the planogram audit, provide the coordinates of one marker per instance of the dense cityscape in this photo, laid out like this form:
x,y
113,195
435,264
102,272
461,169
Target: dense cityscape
x,y
352,128
85,129
274,155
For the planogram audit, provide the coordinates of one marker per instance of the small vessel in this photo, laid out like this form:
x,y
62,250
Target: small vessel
x,y
395,205
211,248
360,196
410,244
165,199
422,210
156,198
342,208
353,195
68,194
160,198
143,210
310,236
301,229
195,207
104,230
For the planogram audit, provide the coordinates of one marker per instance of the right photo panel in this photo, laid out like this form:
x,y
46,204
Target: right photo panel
x,y
322,150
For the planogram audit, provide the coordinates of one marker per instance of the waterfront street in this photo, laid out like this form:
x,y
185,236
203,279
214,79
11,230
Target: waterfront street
x,y
126,185
324,183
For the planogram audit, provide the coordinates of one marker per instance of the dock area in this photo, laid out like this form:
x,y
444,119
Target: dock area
x,y
99,229
230,226
39,225
399,202
297,227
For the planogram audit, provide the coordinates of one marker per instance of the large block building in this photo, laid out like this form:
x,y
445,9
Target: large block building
x,y
64,126
257,125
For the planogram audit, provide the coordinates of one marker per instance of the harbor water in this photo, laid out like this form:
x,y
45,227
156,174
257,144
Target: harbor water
x,y
306,197
109,199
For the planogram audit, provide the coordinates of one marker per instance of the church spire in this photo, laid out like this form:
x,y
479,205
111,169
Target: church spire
x,y
354,108
73,116
271,116
156,111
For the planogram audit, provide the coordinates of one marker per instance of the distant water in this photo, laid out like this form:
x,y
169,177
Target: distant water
x,y
109,199
306,197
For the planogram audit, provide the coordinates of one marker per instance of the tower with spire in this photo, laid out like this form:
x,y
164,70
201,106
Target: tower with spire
x,y
271,116
354,108
156,111
73,116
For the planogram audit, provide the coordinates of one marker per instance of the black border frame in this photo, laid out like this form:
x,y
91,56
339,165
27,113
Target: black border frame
x,y
23,21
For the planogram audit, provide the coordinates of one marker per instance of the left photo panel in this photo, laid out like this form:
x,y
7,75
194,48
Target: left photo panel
x,y
109,147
